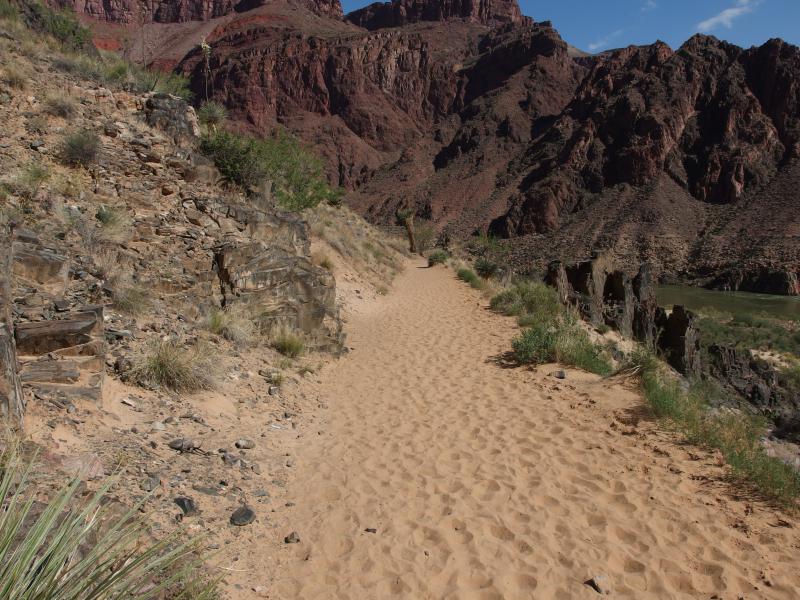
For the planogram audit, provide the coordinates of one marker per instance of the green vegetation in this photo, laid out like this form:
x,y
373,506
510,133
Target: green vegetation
x,y
751,332
80,148
212,115
552,333
531,301
486,268
287,342
7,11
62,25
297,176
469,276
79,548
169,365
425,235
437,257
737,436
29,180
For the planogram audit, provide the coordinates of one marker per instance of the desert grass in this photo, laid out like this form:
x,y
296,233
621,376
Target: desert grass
x,y
76,547
288,342
235,324
169,365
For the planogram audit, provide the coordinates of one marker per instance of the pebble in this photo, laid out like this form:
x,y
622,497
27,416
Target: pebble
x,y
292,538
371,530
560,374
187,505
245,444
242,516
184,445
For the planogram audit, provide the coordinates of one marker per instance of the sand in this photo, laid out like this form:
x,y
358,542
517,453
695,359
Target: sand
x,y
485,482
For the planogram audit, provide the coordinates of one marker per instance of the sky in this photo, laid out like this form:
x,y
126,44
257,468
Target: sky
x,y
596,25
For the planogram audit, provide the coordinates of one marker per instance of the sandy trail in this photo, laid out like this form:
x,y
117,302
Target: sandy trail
x,y
486,482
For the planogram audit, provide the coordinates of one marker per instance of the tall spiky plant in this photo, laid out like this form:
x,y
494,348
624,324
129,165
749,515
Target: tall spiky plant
x,y
78,550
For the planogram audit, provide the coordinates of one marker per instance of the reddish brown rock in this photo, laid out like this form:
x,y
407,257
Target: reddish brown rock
x,y
404,12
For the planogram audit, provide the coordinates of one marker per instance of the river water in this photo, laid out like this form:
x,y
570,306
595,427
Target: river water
x,y
734,303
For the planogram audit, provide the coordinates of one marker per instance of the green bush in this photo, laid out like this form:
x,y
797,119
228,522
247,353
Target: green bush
x,y
469,276
562,342
486,268
531,301
297,176
750,332
437,257
76,547
29,180
8,11
80,148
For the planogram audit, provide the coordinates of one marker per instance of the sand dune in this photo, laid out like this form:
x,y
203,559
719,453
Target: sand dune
x,y
486,482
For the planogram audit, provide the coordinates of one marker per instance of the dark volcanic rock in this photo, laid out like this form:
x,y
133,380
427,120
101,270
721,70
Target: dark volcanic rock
x,y
242,516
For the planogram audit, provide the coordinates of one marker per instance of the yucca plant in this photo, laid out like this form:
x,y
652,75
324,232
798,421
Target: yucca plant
x,y
79,550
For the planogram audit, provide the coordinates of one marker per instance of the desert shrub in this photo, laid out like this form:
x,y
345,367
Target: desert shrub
x,y
233,324
287,342
81,66
80,148
437,257
62,25
212,114
562,342
77,546
482,245
297,176
15,78
166,364
750,332
486,268
59,106
470,277
531,301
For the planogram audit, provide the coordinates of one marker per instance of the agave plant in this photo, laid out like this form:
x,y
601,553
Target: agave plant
x,y
79,550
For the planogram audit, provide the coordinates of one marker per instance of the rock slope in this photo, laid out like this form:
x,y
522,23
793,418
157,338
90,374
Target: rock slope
x,y
483,120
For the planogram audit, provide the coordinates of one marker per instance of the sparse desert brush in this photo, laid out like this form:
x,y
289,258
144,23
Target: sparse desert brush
x,y
169,365
212,114
131,298
80,148
82,66
59,106
437,257
76,545
29,180
7,11
322,260
531,301
287,341
562,342
425,235
115,224
14,77
234,324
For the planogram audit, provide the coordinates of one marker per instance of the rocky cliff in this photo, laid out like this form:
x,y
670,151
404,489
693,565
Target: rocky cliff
x,y
482,120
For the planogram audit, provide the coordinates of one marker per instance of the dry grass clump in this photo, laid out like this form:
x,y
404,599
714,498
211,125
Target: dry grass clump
x,y
233,324
80,148
322,260
169,365
131,299
115,224
29,180
288,342
14,77
59,106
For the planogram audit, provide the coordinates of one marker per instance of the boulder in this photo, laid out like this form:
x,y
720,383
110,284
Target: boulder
x,y
173,116
680,342
74,330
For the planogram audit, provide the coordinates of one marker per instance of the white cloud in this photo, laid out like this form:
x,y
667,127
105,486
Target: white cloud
x,y
603,42
649,5
728,16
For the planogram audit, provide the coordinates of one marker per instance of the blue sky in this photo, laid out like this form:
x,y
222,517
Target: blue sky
x,y
595,25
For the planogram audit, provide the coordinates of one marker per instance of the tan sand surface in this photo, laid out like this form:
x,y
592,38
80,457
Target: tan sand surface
x,y
488,482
